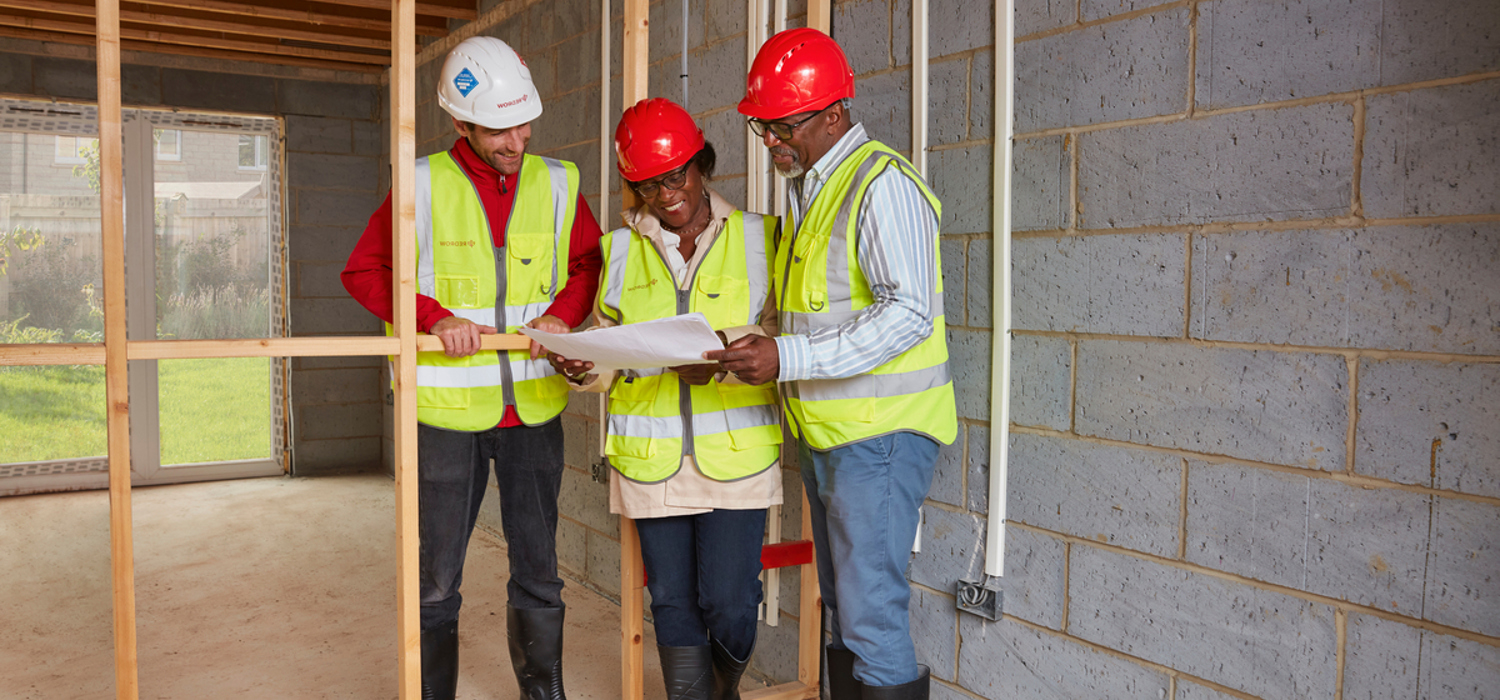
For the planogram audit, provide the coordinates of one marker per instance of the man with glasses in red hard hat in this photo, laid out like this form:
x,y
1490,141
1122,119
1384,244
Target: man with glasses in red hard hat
x,y
862,356
504,240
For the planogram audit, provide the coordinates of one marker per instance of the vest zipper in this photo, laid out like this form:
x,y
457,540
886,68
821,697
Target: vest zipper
x,y
507,379
684,298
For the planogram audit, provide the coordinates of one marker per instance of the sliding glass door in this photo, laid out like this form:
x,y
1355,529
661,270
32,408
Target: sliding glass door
x,y
204,261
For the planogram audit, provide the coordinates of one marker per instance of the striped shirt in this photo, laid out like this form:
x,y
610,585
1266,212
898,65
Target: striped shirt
x,y
895,244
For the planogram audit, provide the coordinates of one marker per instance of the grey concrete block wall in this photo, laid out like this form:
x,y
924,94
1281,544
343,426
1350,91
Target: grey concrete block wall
x,y
1118,285
1110,72
1365,546
1204,626
1244,44
1259,405
1128,498
1292,163
1007,659
1301,319
1447,167
1421,288
1429,424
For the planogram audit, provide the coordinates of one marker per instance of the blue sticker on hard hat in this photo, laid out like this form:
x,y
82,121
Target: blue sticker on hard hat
x,y
465,82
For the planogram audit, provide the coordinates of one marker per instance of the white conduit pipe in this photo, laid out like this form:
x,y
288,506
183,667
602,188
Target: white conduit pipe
x,y
1005,70
919,57
684,73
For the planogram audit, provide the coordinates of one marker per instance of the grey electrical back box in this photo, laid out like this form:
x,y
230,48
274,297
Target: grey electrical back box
x,y
980,599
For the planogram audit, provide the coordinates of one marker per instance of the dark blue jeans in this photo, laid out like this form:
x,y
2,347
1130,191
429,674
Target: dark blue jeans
x,y
702,571
453,473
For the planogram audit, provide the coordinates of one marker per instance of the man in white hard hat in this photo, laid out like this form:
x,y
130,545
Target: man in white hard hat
x,y
504,240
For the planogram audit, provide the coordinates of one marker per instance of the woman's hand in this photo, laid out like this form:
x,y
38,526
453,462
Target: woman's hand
x,y
697,375
574,370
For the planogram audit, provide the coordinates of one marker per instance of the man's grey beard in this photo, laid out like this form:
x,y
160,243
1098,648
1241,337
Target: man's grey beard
x,y
791,173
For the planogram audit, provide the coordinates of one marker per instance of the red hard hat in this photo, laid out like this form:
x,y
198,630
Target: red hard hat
x,y
798,70
655,136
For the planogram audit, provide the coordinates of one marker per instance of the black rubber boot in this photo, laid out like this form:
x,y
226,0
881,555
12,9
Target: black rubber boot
x,y
440,662
727,672
687,672
841,683
915,690
536,651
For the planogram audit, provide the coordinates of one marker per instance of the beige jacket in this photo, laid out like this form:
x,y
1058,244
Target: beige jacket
x,y
688,492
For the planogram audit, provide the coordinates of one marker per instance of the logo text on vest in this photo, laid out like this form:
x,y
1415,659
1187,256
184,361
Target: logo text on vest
x,y
459,244
640,286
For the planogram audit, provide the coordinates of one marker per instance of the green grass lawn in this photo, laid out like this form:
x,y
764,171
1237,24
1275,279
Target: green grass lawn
x,y
211,410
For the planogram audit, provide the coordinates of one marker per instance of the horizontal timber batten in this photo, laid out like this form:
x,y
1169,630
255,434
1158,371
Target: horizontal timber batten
x,y
302,347
93,353
52,354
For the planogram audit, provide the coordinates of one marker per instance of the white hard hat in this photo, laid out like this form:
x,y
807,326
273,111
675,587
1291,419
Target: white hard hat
x,y
485,82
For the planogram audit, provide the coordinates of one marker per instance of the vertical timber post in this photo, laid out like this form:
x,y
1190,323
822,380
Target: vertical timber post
x,y
403,219
116,379
632,578
820,15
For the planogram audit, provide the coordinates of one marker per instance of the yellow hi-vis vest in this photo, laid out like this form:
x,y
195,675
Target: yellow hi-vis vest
x,y
819,284
459,265
732,430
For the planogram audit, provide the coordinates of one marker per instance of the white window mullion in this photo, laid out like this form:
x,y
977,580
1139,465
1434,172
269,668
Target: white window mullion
x,y
140,289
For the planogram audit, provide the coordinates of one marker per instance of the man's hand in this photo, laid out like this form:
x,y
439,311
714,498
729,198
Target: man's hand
x,y
697,375
575,370
754,359
460,335
550,324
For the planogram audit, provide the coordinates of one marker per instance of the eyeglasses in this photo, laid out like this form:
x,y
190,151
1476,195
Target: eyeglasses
x,y
673,181
781,130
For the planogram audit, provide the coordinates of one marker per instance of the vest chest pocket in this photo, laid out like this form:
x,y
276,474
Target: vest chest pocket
x,y
809,271
722,299
530,261
635,391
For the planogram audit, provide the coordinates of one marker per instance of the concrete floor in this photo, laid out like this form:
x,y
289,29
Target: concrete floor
x,y
263,588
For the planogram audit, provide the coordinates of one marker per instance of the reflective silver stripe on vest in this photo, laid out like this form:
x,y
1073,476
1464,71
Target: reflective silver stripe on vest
x,y
755,263
477,376
521,314
717,422
869,386
619,252
484,317
559,174
523,370
458,377
426,276
801,323
839,297
638,373
670,427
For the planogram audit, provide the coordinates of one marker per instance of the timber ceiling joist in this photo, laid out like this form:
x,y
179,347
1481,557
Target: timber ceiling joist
x,y
338,34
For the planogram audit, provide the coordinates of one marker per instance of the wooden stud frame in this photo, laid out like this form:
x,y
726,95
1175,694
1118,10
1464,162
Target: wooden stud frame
x,y
116,351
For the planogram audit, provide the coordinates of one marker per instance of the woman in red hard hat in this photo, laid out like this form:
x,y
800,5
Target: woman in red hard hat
x,y
695,452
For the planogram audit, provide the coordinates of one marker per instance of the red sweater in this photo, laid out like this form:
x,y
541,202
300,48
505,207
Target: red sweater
x,y
367,276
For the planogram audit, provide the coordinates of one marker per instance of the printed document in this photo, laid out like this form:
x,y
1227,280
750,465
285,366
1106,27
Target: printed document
x,y
666,342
